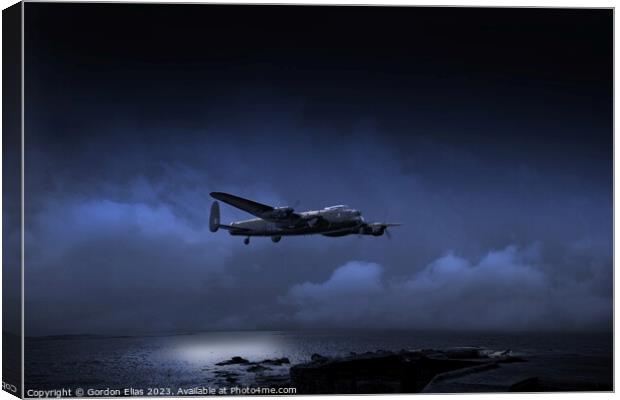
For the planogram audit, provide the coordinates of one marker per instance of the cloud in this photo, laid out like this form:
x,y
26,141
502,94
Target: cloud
x,y
346,296
504,290
103,266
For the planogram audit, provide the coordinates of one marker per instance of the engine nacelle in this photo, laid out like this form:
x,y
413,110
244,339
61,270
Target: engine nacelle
x,y
279,213
372,229
378,230
276,239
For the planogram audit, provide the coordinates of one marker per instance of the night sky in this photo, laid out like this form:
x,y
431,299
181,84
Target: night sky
x,y
486,132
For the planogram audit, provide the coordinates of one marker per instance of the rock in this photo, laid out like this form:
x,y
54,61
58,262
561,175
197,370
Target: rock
x,y
380,372
317,358
276,361
234,360
526,385
463,352
257,368
230,377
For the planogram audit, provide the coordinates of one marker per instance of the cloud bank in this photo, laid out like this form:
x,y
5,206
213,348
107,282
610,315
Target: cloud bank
x,y
506,289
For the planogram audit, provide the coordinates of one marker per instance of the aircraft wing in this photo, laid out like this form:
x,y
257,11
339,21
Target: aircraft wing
x,y
259,210
246,205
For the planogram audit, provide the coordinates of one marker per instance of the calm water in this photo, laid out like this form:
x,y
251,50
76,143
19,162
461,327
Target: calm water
x,y
181,361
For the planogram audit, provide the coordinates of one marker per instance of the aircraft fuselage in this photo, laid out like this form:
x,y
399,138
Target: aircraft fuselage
x,y
337,219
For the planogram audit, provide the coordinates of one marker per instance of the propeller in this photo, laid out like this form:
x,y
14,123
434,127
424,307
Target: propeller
x,y
387,231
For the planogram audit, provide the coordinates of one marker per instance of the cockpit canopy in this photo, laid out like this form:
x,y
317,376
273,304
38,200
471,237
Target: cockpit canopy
x,y
338,207
344,209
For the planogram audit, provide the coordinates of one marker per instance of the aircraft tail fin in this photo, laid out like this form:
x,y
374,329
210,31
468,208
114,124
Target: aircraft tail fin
x,y
214,218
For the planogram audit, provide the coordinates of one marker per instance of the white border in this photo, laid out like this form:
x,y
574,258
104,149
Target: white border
x,y
479,3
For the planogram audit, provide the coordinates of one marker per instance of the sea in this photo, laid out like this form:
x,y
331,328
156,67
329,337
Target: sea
x,y
170,362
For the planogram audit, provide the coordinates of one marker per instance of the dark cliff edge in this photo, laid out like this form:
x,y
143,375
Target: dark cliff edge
x,y
457,370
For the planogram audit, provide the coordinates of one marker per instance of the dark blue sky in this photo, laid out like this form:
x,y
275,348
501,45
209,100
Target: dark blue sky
x,y
487,132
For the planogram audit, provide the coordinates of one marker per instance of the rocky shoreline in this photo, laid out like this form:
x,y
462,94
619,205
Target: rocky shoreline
x,y
452,370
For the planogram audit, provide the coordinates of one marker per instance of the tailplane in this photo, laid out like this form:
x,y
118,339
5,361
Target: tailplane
x,y
214,218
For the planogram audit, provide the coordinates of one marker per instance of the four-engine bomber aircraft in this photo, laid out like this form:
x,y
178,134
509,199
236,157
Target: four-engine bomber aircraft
x,y
276,222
